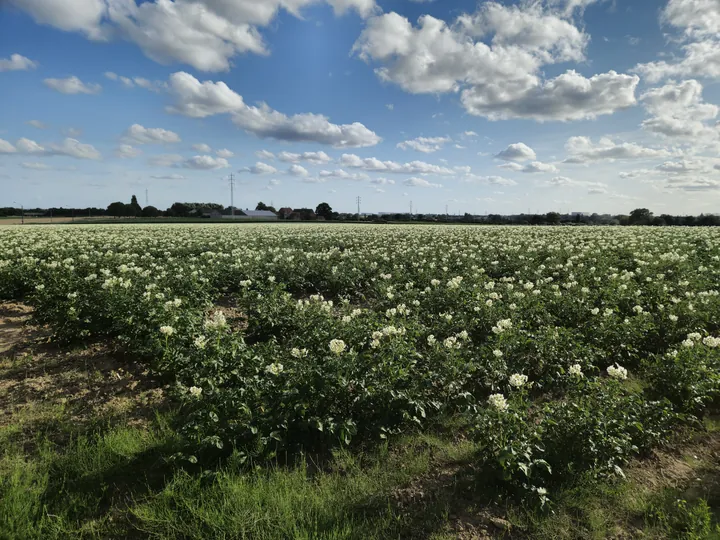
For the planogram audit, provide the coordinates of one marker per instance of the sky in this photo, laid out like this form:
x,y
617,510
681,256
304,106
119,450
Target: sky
x,y
447,105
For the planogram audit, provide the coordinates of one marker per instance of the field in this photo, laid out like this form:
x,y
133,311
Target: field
x,y
290,381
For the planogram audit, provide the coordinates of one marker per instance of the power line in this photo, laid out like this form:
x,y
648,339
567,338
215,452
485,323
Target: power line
x,y
358,200
232,195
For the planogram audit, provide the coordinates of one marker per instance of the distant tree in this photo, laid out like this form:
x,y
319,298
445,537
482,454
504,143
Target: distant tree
x,y
116,209
150,212
324,210
136,208
640,216
261,206
179,210
553,218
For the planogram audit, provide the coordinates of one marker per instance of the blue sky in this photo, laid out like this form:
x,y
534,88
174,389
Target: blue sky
x,y
568,105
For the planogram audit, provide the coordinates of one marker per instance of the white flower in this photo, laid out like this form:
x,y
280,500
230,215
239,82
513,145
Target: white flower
x,y
375,343
167,330
517,380
217,322
195,391
435,282
346,319
673,318
617,372
200,342
337,346
298,353
498,353
638,309
688,343
711,341
575,370
498,401
431,340
695,336
595,311
274,368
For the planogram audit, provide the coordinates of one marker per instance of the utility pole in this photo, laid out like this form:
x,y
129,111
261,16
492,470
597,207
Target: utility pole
x,y
411,209
146,197
446,210
358,200
232,195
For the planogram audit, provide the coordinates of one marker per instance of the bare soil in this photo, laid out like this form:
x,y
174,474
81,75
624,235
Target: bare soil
x,y
40,382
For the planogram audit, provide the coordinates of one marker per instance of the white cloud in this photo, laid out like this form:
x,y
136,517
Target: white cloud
x,y
265,154
205,163
7,147
420,182
699,24
374,164
260,168
165,160
202,147
168,177
539,167
69,147
127,151
37,123
516,152
344,175
492,179
564,181
137,134
501,79
316,158
426,145
198,100
512,166
470,134
224,153
72,85
678,110
298,170
460,147
74,148
390,107
382,181
583,150
205,34
36,165
16,62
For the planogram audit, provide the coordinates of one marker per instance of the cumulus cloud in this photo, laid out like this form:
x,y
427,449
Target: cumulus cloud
x,y
68,147
344,175
583,150
298,170
127,151
420,182
35,165
698,24
205,163
426,145
316,158
678,110
516,152
500,77
265,154
538,167
382,181
201,99
72,85
202,147
224,153
16,62
491,179
260,168
375,165
137,134
205,34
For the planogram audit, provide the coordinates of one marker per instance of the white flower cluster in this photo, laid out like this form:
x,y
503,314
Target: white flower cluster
x,y
617,372
337,346
502,325
298,353
517,380
216,322
576,370
498,402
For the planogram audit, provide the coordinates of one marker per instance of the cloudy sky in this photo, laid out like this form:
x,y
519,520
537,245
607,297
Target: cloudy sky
x,y
507,106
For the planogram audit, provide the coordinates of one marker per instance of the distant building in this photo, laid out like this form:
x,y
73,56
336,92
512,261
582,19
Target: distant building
x,y
252,214
285,212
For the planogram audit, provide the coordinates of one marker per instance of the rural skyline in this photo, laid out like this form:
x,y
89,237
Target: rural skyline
x,y
500,107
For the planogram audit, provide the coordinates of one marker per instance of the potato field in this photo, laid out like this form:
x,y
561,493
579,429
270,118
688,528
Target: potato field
x,y
551,353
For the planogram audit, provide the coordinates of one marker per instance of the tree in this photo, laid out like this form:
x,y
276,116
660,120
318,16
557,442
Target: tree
x,y
136,208
324,210
261,206
640,216
116,209
150,212
179,210
553,218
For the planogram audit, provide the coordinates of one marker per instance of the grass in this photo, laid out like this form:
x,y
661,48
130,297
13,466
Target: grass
x,y
84,454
